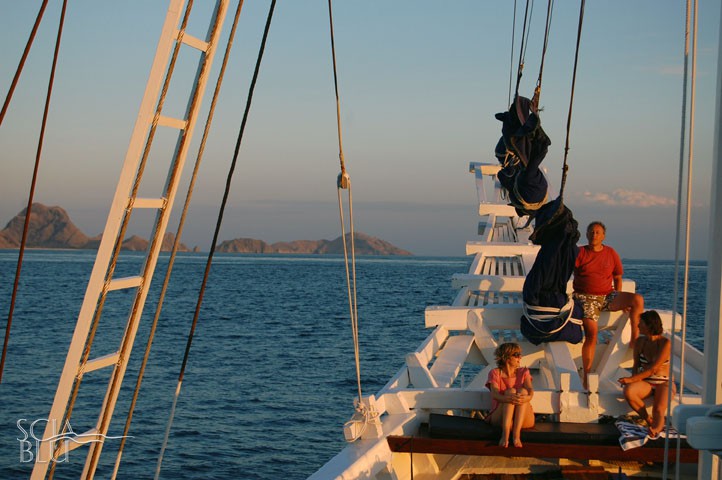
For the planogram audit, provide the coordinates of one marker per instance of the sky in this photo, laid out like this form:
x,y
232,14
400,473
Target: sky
x,y
419,81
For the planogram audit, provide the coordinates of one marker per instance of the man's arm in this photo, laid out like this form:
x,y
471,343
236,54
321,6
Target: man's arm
x,y
618,283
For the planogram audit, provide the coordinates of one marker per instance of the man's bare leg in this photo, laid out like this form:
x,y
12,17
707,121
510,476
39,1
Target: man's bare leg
x,y
588,348
635,303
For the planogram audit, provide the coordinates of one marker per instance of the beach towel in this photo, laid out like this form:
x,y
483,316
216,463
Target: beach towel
x,y
633,435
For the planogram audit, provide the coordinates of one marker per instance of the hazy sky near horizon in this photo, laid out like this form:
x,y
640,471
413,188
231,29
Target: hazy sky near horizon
x,y
420,82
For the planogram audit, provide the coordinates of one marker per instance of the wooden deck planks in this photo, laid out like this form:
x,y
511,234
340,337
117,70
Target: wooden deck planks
x,y
446,446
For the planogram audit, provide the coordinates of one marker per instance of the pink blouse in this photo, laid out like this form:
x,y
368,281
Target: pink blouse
x,y
495,378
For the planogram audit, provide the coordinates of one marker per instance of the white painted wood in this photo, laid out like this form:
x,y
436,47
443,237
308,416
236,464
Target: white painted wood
x,y
450,359
499,249
177,123
100,362
485,168
125,282
152,203
561,362
495,283
117,212
432,344
195,42
120,201
419,374
476,264
486,227
711,465
366,458
482,336
616,352
501,210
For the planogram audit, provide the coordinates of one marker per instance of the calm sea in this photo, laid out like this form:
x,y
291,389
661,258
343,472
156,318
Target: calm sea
x,y
271,376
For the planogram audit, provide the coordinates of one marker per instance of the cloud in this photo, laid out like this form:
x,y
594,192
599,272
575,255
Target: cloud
x,y
670,70
632,198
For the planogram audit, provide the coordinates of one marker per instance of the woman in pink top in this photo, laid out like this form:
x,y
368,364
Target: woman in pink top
x,y
511,394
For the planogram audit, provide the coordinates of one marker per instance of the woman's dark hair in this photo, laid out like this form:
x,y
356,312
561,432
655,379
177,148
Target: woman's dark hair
x,y
504,352
653,322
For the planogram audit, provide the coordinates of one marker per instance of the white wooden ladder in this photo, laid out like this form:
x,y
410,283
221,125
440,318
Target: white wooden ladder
x,y
126,201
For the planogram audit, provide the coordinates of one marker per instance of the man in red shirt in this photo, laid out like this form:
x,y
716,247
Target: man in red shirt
x,y
597,285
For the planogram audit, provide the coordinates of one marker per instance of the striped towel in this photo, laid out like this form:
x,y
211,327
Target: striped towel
x,y
633,435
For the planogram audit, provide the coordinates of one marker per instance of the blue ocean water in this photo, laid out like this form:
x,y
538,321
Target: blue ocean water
x,y
271,376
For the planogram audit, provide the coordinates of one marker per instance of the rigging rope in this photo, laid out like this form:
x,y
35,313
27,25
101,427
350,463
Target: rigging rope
x,y
179,231
219,221
34,181
124,225
522,47
537,90
21,64
511,54
679,221
344,183
565,167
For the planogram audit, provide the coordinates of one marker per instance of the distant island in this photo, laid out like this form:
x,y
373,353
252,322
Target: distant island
x,y
51,227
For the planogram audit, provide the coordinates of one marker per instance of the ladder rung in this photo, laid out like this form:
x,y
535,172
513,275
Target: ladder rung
x,y
78,441
125,282
101,362
194,42
164,121
157,203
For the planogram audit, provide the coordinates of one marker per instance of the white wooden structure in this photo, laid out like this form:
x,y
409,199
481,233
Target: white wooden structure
x,y
486,312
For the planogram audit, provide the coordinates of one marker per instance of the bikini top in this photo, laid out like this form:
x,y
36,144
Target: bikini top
x,y
643,360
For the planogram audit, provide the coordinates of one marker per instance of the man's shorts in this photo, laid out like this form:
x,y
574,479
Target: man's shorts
x,y
593,305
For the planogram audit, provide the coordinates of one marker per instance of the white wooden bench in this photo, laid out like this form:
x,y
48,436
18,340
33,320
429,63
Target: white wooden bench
x,y
447,360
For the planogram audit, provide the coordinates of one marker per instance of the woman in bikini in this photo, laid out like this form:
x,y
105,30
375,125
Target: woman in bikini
x,y
511,394
650,372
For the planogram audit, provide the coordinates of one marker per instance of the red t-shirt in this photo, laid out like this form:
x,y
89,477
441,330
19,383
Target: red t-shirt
x,y
594,272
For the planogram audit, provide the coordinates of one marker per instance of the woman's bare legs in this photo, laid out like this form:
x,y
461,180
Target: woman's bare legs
x,y
659,408
635,393
523,418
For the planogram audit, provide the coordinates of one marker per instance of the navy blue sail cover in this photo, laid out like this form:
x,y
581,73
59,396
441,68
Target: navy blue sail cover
x,y
521,150
557,232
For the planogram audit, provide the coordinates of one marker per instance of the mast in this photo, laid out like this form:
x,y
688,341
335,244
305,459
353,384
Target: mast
x,y
709,467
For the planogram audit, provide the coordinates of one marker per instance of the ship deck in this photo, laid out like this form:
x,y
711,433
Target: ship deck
x,y
452,435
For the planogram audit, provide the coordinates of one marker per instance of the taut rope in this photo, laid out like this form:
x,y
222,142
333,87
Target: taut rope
x,y
343,182
21,64
219,221
565,167
679,221
179,232
34,181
